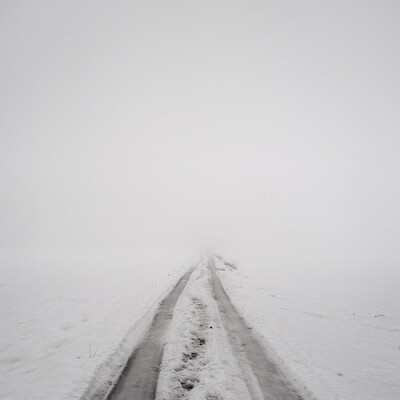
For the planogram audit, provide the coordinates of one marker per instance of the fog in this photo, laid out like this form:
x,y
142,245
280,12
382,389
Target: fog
x,y
267,130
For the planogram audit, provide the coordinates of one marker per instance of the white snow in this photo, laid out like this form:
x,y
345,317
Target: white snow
x,y
64,314
337,331
198,363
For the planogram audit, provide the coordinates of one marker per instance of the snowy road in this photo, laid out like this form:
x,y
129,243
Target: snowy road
x,y
199,347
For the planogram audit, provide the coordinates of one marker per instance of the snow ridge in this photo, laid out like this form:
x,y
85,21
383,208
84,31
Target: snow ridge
x,y
198,361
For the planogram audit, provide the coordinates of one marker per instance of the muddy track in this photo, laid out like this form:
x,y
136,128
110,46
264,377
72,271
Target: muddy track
x,y
138,381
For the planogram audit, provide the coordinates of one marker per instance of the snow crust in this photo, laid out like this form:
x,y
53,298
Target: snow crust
x,y
336,332
67,318
198,363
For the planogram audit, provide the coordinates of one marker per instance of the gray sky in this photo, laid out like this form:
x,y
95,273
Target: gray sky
x,y
266,127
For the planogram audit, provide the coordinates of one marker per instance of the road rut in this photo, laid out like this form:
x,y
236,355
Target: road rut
x,y
263,378
139,379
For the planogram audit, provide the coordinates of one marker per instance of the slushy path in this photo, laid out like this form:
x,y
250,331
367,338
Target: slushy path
x,y
257,376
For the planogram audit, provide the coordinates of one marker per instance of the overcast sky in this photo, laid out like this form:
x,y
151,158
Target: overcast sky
x,y
270,127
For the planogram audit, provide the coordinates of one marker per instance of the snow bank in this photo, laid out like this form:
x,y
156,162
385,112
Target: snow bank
x,y
64,315
337,331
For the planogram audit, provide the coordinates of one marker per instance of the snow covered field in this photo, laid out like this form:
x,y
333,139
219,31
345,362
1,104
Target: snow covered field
x,y
337,331
63,314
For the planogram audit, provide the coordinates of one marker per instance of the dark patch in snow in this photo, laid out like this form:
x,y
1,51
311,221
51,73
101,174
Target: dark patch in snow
x,y
188,384
199,341
187,373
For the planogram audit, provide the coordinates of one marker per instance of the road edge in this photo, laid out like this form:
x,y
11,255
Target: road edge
x,y
109,371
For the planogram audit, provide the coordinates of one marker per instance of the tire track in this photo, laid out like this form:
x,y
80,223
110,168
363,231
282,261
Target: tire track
x,y
138,381
211,354
264,379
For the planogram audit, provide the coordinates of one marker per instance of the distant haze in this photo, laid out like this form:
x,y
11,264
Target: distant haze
x,y
266,128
